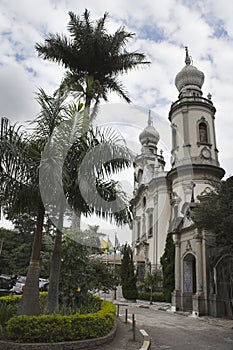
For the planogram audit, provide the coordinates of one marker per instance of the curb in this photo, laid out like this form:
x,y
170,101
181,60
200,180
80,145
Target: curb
x,y
79,344
145,345
147,342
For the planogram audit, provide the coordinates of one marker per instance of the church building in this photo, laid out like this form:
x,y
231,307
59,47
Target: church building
x,y
162,200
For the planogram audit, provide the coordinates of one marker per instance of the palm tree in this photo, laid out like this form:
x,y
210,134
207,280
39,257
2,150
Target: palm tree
x,y
73,182
20,158
20,192
93,58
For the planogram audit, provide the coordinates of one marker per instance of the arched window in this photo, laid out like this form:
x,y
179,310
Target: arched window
x,y
174,137
203,133
138,229
140,172
189,273
150,231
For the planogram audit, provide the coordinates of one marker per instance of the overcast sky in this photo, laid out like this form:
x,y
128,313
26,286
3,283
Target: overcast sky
x,y
162,28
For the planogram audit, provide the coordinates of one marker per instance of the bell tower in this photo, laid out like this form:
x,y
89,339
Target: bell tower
x,y
194,154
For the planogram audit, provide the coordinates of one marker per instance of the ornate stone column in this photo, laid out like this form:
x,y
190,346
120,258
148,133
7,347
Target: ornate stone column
x,y
199,273
176,295
198,298
177,262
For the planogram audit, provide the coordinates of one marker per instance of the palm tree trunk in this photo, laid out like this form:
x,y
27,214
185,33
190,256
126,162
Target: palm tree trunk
x,y
87,106
55,267
29,304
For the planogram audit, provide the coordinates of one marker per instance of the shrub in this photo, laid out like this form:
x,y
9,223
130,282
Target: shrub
x,y
14,300
156,296
90,304
10,300
57,328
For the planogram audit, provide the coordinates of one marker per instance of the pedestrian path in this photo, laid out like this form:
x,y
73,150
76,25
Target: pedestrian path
x,y
124,339
162,306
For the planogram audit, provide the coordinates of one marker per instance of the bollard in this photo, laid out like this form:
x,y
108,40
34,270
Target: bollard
x,y
126,315
133,327
118,310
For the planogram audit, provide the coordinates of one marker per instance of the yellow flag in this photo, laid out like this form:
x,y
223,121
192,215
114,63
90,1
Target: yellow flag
x,y
104,246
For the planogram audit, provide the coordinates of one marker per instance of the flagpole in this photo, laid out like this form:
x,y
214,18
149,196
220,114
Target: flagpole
x,y
1,246
114,264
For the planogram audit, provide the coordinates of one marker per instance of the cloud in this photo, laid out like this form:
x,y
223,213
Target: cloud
x,y
162,28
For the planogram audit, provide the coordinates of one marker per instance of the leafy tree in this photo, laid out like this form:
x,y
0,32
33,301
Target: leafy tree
x,y
93,57
81,273
15,252
151,281
168,267
89,237
128,276
215,213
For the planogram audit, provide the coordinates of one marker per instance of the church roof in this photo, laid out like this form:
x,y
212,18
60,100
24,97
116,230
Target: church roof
x,y
149,134
189,75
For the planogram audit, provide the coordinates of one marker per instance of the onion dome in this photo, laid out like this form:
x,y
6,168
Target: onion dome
x,y
149,136
189,76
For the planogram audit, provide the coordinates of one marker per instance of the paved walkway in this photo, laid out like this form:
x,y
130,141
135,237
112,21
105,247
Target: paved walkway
x,y
124,338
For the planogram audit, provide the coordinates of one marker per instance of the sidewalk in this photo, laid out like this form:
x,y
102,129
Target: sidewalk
x,y
124,335
124,338
163,306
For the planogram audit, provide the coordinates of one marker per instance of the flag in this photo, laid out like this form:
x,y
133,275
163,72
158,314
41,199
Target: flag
x,y
117,243
110,247
104,246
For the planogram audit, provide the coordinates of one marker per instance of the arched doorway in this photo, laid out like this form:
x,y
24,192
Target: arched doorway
x,y
223,280
189,280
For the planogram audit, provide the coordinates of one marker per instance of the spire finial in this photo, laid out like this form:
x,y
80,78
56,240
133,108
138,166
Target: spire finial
x,y
187,58
149,118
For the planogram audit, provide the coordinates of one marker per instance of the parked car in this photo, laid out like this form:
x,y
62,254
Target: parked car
x,y
5,285
43,284
19,286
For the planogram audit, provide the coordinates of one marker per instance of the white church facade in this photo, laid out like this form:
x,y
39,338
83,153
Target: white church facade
x,y
163,199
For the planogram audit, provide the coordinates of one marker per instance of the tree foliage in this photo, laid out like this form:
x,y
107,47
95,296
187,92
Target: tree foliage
x,y
151,281
81,273
128,276
215,213
93,57
17,245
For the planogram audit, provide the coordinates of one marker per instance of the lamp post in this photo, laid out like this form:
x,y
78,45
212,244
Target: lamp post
x,y
114,265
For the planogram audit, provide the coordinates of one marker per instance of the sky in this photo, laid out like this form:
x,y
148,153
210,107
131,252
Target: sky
x,y
162,29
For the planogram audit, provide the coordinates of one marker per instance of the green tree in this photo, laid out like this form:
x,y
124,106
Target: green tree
x,y
20,159
151,282
168,267
93,58
215,213
99,195
128,276
81,273
20,191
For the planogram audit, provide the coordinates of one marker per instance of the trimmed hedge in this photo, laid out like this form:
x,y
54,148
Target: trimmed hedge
x,y
10,300
58,328
13,300
156,296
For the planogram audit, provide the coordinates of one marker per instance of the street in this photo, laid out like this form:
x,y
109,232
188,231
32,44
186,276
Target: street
x,y
173,331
